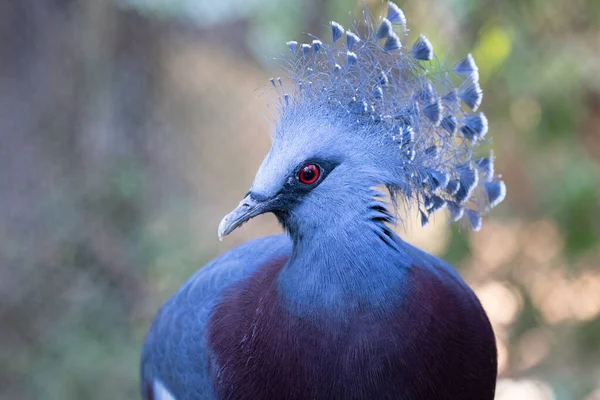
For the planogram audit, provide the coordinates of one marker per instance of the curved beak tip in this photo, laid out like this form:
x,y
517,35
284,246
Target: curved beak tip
x,y
221,231
247,209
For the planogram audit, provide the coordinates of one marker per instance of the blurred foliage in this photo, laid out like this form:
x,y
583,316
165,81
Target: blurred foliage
x,y
129,127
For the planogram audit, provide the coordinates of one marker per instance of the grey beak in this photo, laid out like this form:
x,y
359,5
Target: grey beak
x,y
247,209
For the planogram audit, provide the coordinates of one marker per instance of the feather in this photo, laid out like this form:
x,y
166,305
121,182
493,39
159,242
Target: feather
x,y
384,30
160,392
395,14
424,218
496,191
427,93
377,93
351,40
350,59
468,178
427,202
432,151
337,31
422,49
467,67
407,114
388,94
316,45
470,93
433,111
439,180
408,135
449,123
450,98
392,43
452,187
486,167
305,49
456,211
437,203
474,219
383,79
293,45
474,127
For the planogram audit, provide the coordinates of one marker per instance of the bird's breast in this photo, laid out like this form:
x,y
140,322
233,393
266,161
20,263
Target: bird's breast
x,y
437,344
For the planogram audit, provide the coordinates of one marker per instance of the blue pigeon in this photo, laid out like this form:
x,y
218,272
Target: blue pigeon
x,y
340,307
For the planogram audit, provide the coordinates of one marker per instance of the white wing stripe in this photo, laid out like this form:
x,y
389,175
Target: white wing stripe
x,y
161,392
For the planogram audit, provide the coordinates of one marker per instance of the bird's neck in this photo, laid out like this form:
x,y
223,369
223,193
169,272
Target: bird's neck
x,y
356,265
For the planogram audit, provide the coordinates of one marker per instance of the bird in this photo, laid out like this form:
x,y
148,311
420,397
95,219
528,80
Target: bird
x,y
369,131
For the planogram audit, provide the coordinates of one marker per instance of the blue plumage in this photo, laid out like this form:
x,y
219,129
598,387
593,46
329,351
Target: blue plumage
x,y
467,67
316,45
351,40
293,45
395,15
470,92
474,127
305,49
456,211
433,111
351,59
337,31
468,180
452,188
392,43
449,123
422,49
496,191
486,166
385,29
474,219
340,306
439,180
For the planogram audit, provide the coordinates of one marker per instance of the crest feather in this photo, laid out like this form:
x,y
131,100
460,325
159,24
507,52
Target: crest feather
x,y
411,101
395,14
422,49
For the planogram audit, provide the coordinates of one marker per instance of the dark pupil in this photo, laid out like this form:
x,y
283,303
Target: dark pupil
x,y
309,173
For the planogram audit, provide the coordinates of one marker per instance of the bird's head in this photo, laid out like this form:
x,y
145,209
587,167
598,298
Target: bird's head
x,y
370,113
312,177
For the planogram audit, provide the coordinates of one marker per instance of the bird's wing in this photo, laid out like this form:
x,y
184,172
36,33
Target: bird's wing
x,y
174,361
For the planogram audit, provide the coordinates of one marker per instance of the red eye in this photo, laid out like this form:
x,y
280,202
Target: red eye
x,y
309,174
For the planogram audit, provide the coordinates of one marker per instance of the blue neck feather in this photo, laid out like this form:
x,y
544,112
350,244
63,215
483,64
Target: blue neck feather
x,y
339,268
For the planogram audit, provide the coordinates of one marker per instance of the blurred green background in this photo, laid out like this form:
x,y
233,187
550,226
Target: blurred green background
x,y
129,128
